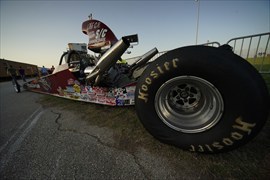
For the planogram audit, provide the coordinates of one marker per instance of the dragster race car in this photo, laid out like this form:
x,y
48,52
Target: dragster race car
x,y
199,98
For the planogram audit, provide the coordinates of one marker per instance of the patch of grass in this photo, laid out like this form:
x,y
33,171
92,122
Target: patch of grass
x,y
259,60
128,131
266,78
251,161
261,64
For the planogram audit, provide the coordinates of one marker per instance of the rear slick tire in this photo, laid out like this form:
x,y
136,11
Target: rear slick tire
x,y
202,99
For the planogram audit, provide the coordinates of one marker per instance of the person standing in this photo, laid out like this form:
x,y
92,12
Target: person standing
x,y
22,73
52,69
13,73
44,71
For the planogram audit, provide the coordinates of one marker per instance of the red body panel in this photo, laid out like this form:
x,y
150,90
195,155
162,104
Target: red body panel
x,y
65,84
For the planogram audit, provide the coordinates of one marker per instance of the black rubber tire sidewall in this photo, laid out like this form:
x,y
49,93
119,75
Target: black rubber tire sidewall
x,y
243,90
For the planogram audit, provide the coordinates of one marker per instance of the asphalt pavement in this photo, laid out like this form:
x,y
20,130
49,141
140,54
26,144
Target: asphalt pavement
x,y
42,142
47,143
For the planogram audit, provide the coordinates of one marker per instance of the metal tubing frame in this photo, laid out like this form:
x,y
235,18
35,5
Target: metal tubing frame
x,y
233,40
251,38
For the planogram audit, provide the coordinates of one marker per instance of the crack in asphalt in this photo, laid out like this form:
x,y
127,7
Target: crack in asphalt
x,y
60,128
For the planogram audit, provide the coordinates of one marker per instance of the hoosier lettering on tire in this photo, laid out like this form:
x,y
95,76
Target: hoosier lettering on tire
x,y
202,99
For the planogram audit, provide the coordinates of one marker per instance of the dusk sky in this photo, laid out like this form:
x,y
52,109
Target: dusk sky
x,y
37,32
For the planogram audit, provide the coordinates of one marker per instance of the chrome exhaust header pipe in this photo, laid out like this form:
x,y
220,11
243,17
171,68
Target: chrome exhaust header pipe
x,y
108,59
144,59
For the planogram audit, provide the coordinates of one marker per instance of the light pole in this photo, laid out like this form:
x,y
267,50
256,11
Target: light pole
x,y
198,18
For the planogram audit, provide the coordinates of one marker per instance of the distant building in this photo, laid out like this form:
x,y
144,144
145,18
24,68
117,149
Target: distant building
x,y
30,69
